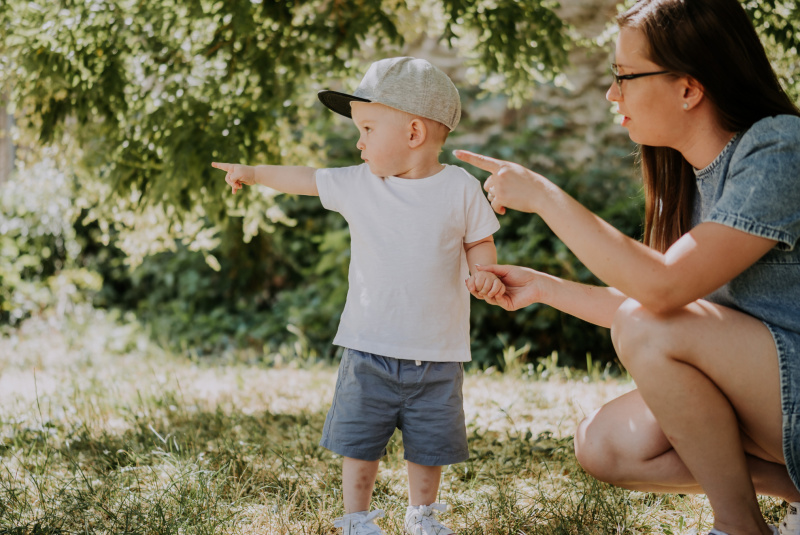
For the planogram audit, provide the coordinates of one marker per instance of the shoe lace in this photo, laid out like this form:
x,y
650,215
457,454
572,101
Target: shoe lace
x,y
422,521
792,514
363,523
791,522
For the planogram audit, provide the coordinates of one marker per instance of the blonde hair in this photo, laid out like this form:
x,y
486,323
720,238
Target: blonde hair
x,y
437,132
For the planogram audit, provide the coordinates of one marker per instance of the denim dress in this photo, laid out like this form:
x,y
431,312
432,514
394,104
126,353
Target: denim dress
x,y
754,186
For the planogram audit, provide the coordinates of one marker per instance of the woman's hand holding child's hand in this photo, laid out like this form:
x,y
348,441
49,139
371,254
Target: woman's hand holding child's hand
x,y
237,175
521,286
485,285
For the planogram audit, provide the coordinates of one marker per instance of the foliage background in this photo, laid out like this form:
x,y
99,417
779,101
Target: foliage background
x,y
121,105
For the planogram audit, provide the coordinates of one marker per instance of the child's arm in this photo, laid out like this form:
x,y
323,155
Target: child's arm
x,y
288,179
483,252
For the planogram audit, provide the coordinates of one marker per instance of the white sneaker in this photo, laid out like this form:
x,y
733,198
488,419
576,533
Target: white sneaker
x,y
359,523
421,520
790,525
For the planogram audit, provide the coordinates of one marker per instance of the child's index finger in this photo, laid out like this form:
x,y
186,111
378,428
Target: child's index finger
x,y
478,160
224,166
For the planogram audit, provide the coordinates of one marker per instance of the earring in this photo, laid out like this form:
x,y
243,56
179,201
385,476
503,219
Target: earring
x,y
685,105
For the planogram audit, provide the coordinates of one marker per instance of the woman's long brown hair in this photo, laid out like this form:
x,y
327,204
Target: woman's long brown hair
x,y
714,42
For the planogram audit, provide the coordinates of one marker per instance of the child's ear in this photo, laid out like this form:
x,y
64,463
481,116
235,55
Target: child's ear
x,y
417,133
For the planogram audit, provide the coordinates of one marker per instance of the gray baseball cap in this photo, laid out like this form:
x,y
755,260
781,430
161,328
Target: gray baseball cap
x,y
408,84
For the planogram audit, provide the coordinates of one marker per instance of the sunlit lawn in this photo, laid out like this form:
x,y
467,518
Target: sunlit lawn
x,y
103,432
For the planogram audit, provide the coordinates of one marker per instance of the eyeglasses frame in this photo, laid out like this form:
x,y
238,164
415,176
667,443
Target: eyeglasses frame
x,y
618,78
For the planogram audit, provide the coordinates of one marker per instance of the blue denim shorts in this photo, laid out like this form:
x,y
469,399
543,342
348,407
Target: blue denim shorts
x,y
788,344
376,395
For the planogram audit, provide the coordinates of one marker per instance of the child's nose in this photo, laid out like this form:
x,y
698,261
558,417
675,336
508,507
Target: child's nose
x,y
360,144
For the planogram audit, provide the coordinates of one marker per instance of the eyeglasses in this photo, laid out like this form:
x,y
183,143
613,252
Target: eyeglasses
x,y
618,78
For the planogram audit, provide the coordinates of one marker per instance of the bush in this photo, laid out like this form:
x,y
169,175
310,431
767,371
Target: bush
x,y
40,250
282,291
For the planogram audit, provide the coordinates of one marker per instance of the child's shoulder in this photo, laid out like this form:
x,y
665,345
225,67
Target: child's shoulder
x,y
350,172
458,174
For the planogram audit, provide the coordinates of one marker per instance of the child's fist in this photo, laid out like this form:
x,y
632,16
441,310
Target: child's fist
x,y
237,175
485,284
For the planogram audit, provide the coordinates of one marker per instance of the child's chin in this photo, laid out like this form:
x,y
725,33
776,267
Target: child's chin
x,y
377,172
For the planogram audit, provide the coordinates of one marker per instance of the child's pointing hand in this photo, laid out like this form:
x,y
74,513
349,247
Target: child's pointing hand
x,y
237,175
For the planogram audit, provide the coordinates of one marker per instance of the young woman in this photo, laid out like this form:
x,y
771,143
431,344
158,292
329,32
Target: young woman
x,y
706,314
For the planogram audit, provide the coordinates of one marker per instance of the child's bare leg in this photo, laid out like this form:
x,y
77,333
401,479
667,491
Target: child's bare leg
x,y
358,481
423,483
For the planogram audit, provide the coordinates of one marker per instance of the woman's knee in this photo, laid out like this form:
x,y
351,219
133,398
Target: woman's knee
x,y
637,332
596,450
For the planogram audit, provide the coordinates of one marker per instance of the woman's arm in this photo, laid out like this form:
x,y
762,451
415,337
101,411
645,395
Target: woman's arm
x,y
525,286
701,261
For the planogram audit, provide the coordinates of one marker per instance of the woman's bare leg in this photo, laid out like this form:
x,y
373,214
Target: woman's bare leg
x,y
709,376
621,443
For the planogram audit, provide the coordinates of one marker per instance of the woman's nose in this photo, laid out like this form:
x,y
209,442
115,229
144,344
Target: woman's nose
x,y
613,94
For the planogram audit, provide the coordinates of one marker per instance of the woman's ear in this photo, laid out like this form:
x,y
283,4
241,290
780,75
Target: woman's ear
x,y
417,132
693,93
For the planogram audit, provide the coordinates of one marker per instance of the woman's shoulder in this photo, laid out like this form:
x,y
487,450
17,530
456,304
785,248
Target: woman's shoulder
x,y
775,128
769,136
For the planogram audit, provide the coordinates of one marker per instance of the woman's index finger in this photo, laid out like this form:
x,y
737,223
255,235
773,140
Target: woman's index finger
x,y
224,166
478,160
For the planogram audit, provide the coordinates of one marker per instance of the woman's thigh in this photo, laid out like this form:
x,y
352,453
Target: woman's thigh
x,y
734,350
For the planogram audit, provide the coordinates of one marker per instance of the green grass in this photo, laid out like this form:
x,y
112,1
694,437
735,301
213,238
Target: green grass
x,y
102,432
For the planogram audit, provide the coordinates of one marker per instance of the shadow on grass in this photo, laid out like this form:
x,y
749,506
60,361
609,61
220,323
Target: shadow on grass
x,y
181,469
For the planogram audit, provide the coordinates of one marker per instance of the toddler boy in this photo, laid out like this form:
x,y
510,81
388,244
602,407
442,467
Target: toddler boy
x,y
417,227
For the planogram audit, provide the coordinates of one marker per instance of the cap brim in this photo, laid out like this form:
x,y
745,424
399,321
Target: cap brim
x,y
339,102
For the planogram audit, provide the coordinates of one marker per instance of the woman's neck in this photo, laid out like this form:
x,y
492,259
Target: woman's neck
x,y
704,141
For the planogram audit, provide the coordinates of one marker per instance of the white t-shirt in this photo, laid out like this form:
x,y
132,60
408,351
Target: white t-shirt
x,y
407,298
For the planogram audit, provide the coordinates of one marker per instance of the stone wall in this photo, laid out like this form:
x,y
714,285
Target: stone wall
x,y
582,103
589,76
